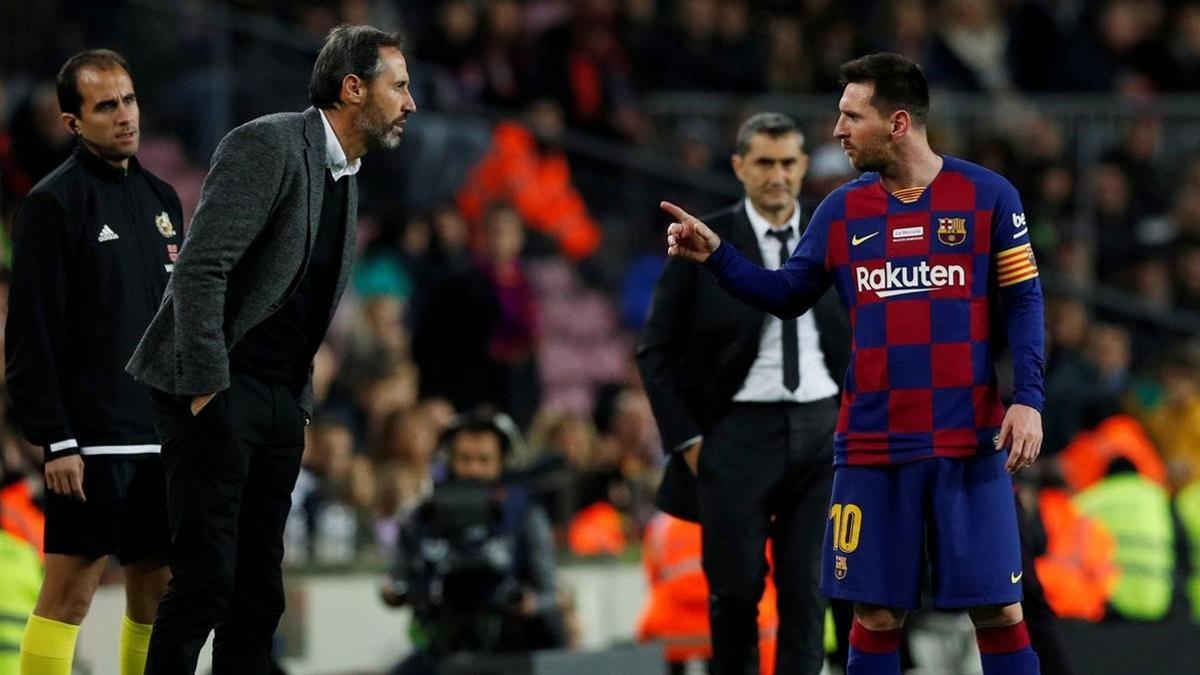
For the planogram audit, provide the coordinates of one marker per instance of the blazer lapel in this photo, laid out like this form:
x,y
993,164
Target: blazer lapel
x,y
348,242
314,155
742,235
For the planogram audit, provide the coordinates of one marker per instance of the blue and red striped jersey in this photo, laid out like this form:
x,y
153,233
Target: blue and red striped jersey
x,y
924,275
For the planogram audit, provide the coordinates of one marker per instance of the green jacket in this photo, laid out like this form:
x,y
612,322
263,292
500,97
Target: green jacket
x,y
1138,513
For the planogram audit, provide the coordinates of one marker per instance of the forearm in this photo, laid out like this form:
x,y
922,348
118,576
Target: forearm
x,y
1026,338
786,293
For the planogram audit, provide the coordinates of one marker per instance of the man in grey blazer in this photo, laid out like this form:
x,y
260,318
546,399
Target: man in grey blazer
x,y
229,354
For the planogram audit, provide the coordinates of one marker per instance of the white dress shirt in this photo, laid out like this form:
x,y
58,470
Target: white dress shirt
x,y
764,382
335,156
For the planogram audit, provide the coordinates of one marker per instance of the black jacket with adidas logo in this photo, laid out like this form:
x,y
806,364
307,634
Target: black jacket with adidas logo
x,y
93,247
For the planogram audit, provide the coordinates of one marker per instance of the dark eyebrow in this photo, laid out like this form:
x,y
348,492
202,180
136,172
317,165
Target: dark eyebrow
x,y
104,102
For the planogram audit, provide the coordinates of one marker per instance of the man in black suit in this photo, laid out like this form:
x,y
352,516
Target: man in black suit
x,y
758,394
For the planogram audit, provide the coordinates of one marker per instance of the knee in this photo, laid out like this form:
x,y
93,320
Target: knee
x,y
68,606
997,616
732,602
877,618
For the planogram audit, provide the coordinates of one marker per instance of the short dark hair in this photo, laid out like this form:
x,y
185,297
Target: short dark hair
x,y
475,425
899,83
348,50
772,124
70,100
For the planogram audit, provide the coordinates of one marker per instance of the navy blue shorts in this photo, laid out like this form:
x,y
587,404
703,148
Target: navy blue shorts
x,y
887,522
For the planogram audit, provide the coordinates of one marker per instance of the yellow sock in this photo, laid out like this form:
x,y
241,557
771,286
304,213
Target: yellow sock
x,y
135,642
48,647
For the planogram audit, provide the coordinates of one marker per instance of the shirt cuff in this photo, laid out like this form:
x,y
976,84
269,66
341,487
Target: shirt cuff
x,y
64,448
686,444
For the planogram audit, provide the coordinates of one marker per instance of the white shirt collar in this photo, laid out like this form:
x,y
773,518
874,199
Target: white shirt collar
x,y
761,226
335,156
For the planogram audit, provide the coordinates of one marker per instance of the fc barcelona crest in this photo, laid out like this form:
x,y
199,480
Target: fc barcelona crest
x,y
840,567
952,231
163,222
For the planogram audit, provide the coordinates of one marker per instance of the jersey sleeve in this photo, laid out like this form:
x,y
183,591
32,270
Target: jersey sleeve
x,y
1020,295
38,332
788,291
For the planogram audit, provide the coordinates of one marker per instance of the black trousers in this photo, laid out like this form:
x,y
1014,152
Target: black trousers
x,y
230,473
765,471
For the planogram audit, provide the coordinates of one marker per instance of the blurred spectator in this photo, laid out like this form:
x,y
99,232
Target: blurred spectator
x,y
1174,423
687,58
630,445
503,59
676,609
1186,272
564,442
526,168
1070,377
1117,216
1137,511
453,42
1078,566
1187,508
582,65
1109,353
400,467
376,342
392,387
40,140
789,69
512,340
323,525
476,561
1106,435
969,50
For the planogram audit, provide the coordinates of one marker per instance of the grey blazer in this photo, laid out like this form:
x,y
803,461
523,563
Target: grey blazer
x,y
244,254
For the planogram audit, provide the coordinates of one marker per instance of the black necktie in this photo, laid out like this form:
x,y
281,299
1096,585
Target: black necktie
x,y
791,337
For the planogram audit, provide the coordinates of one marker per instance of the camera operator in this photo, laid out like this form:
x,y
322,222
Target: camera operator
x,y
476,560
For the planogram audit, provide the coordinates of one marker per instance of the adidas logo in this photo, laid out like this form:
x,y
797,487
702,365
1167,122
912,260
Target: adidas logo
x,y
107,234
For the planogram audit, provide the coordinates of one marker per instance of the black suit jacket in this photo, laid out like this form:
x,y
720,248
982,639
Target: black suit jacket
x,y
698,345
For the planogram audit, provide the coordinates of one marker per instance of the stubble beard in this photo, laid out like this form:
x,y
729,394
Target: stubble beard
x,y
377,129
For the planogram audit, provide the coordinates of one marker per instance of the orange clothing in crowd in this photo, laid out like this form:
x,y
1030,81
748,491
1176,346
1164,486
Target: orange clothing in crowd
x,y
596,530
20,517
537,184
676,613
1086,458
1078,571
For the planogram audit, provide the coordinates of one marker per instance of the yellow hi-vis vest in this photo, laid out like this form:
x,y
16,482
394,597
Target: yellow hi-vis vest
x,y
21,571
1187,505
1137,512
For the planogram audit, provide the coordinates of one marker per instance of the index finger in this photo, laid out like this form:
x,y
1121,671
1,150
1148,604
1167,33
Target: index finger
x,y
678,213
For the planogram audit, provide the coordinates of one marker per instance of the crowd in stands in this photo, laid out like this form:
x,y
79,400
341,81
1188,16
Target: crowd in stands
x,y
485,300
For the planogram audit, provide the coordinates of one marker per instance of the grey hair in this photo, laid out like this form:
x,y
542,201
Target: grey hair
x,y
772,124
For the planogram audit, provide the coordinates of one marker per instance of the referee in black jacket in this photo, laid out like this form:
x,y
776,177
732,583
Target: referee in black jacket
x,y
93,246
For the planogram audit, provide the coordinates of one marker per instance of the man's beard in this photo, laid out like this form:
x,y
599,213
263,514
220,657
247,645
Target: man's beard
x,y
379,131
869,161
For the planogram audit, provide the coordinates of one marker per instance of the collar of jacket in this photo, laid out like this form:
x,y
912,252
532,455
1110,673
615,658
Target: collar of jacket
x,y
98,166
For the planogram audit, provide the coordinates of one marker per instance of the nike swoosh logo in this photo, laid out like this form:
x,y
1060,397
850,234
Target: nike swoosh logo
x,y
856,240
1016,578
1020,234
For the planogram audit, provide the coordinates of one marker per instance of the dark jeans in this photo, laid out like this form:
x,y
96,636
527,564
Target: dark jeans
x,y
766,470
230,473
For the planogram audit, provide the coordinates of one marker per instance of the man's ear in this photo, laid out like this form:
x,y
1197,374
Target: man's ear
x,y
71,122
354,89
